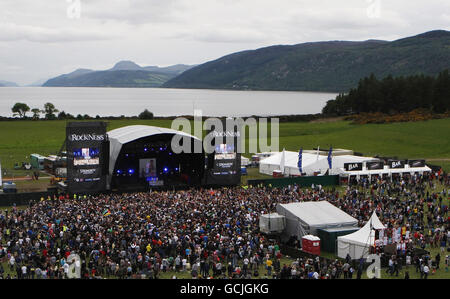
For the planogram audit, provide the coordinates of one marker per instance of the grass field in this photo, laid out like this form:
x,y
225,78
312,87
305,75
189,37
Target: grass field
x,y
413,140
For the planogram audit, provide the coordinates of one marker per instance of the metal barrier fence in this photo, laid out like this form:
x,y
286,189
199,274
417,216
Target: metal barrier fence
x,y
305,181
22,199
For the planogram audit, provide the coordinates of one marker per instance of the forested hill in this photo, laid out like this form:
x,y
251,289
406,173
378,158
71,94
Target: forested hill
x,y
394,95
334,66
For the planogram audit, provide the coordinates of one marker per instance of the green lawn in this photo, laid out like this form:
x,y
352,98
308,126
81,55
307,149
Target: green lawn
x,y
427,139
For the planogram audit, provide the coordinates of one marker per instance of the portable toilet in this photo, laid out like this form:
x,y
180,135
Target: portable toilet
x,y
244,170
311,244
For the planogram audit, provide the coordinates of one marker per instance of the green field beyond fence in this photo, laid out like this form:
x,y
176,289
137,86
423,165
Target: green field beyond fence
x,y
413,140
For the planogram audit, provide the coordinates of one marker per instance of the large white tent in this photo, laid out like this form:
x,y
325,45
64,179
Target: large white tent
x,y
304,218
385,171
357,244
312,164
287,162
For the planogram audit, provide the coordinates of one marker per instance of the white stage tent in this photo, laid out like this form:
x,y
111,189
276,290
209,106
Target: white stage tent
x,y
303,218
357,244
311,163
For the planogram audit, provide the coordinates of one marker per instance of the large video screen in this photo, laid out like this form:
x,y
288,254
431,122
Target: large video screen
x,y
86,156
147,168
224,165
224,149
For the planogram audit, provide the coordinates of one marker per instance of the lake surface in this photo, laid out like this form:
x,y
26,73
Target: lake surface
x,y
163,101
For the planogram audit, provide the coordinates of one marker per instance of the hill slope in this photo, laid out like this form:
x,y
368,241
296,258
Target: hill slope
x,y
7,84
333,66
123,74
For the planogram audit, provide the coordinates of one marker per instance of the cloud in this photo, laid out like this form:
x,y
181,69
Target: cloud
x,y
15,32
189,31
222,35
134,12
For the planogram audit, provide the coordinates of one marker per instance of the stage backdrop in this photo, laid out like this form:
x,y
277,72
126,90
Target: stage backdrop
x,y
87,156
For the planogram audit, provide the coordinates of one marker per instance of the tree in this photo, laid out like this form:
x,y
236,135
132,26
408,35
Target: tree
x,y
146,115
50,111
62,115
36,113
20,109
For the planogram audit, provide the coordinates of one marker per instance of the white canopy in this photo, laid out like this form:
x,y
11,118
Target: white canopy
x,y
386,170
287,162
245,161
306,217
358,243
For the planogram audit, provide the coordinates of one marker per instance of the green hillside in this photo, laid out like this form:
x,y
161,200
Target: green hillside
x,y
124,74
121,78
333,66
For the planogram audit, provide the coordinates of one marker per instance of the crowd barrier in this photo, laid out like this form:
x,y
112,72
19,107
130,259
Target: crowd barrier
x,y
23,199
305,181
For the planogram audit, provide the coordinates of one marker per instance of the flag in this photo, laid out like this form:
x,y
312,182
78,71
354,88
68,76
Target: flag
x,y
300,160
330,157
106,213
283,160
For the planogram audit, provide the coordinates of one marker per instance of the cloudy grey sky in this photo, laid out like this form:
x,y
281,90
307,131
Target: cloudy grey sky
x,y
44,38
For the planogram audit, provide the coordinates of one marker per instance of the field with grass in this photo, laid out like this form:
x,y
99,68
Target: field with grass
x,y
413,140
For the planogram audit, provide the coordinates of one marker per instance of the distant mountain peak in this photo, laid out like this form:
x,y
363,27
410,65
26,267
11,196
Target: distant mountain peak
x,y
7,84
126,65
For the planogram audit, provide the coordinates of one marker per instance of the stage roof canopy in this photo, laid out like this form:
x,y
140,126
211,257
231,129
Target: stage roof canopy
x,y
119,137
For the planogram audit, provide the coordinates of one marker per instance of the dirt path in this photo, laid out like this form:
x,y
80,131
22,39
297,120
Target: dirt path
x,y
23,178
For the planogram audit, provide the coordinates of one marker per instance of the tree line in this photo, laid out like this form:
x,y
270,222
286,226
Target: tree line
x,y
394,95
51,113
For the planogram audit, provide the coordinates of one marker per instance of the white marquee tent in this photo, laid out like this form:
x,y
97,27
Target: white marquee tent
x,y
385,171
357,244
287,162
304,218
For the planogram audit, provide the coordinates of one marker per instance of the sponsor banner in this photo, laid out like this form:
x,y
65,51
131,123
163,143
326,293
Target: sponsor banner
x,y
416,163
353,166
396,164
375,165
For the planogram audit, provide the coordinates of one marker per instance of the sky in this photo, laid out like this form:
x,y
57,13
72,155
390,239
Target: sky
x,y
40,39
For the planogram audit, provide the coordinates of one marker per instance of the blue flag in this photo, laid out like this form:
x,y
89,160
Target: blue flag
x,y
300,160
330,154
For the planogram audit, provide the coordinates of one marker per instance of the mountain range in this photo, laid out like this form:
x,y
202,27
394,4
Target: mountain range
x,y
124,74
333,66
330,66
7,84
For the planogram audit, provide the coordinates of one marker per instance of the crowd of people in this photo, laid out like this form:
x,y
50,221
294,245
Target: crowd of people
x,y
210,232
